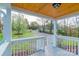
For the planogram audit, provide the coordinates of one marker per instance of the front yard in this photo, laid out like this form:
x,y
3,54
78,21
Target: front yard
x,y
24,35
1,36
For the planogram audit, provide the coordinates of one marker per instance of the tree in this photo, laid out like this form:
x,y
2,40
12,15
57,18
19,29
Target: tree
x,y
76,22
49,26
43,21
18,24
62,27
27,24
34,25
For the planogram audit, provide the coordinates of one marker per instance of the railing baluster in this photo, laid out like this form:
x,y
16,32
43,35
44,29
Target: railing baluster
x,y
20,49
17,48
14,51
30,46
77,48
72,46
11,49
67,45
26,47
35,45
23,48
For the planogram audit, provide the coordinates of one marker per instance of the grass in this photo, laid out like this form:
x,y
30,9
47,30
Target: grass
x,y
1,36
27,46
24,35
24,45
65,43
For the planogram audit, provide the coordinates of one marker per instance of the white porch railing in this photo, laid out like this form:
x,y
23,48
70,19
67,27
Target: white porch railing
x,y
70,44
25,46
30,46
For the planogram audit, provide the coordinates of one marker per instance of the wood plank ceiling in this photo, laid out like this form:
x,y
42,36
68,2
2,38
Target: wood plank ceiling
x,y
47,9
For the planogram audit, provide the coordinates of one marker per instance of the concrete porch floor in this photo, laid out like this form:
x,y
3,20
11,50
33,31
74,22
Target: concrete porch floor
x,y
53,51
50,50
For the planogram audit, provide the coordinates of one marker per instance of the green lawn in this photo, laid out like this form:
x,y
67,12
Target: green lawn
x,y
24,46
65,43
25,34
1,36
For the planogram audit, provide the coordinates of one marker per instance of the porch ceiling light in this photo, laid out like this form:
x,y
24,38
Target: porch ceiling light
x,y
56,5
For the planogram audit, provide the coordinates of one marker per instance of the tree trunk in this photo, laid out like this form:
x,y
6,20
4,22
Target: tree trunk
x,y
51,27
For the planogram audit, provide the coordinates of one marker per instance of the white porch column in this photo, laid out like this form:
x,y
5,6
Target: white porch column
x,y
7,24
55,33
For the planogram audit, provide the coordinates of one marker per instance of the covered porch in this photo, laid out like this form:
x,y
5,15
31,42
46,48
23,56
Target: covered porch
x,y
41,44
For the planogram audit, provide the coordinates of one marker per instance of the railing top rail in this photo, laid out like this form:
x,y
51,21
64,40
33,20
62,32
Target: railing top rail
x,y
29,38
